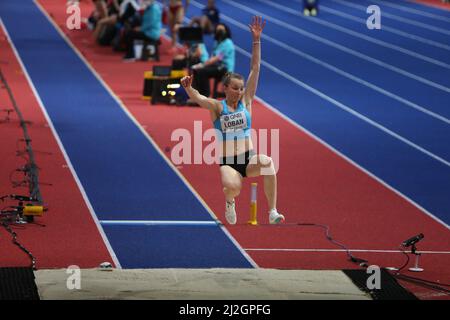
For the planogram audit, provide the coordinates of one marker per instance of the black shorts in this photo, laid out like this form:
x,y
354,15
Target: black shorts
x,y
238,162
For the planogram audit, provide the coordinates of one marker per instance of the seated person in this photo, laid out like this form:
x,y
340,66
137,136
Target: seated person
x,y
149,30
100,12
221,62
209,18
194,54
109,19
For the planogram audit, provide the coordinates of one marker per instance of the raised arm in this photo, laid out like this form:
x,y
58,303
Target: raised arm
x,y
194,95
256,28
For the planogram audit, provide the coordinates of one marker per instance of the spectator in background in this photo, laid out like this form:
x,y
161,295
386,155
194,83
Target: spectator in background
x,y
209,18
221,62
175,16
128,10
128,18
194,54
310,7
100,12
149,30
109,19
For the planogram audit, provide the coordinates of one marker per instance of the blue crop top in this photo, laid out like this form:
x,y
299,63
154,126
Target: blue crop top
x,y
233,125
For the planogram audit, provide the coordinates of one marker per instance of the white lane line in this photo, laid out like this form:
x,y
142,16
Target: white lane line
x,y
415,11
359,35
387,28
341,47
63,151
337,152
348,109
343,73
158,223
394,17
340,250
150,139
353,163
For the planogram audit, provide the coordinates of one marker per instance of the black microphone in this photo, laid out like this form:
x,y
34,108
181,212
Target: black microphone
x,y
22,198
412,240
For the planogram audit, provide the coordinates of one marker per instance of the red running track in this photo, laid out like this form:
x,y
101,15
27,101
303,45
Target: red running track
x,y
70,235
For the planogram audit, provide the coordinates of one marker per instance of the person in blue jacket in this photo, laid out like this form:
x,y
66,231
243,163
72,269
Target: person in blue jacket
x,y
150,28
222,60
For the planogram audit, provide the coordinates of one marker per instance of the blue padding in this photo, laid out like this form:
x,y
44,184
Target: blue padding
x,y
174,247
122,173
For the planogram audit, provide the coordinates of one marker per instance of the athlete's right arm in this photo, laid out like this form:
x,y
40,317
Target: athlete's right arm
x,y
194,95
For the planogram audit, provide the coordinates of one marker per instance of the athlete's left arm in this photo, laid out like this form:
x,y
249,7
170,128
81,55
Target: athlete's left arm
x,y
256,28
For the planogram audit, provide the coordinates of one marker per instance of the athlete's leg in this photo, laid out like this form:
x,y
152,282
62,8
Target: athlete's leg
x,y
231,182
263,165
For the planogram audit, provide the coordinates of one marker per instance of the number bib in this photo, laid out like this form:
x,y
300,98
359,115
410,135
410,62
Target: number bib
x,y
233,122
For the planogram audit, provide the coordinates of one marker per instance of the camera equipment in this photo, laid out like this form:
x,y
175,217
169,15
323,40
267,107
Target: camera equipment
x,y
190,35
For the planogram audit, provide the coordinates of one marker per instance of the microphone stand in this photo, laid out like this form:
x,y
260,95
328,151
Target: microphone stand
x,y
416,267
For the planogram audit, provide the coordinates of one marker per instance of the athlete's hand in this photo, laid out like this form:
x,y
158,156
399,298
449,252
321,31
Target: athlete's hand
x,y
256,27
186,81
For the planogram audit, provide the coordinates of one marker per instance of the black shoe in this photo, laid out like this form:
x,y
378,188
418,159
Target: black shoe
x,y
129,58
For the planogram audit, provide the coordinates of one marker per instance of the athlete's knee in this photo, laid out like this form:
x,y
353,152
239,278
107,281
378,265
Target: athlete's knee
x,y
267,165
265,161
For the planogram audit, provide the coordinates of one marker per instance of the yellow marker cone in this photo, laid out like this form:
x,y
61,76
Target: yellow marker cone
x,y
253,207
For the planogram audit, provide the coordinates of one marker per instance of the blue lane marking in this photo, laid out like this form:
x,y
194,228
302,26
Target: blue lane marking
x,y
410,15
390,22
119,169
345,57
158,223
189,247
386,111
360,26
116,164
422,7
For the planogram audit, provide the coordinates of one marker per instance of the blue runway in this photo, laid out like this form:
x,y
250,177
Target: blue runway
x,y
122,180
